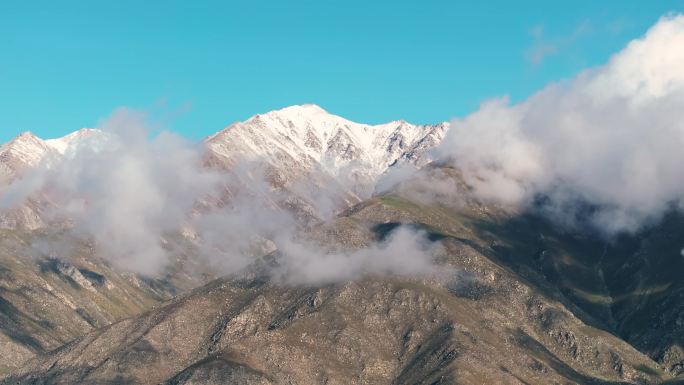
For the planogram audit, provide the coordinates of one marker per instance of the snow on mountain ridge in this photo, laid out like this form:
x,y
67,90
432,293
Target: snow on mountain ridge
x,y
62,144
320,161
302,132
309,136
27,151
25,147
24,151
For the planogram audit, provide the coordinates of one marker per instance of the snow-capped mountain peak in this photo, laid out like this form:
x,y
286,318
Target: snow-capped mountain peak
x,y
306,145
300,136
300,149
62,144
27,151
308,135
26,142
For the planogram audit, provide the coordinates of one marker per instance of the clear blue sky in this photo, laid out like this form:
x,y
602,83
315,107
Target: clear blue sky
x,y
200,65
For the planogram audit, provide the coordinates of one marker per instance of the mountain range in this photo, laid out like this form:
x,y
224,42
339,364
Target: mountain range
x,y
294,146
518,299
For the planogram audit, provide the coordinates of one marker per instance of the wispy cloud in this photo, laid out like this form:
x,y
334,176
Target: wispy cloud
x,y
545,45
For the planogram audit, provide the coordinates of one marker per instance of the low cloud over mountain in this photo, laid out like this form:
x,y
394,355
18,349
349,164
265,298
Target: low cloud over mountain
x,y
145,196
605,145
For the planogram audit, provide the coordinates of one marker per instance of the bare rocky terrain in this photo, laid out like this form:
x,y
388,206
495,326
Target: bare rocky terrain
x,y
49,300
497,316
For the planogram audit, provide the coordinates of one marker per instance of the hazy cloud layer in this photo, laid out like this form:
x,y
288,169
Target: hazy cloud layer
x,y
143,197
404,252
606,145
425,185
124,187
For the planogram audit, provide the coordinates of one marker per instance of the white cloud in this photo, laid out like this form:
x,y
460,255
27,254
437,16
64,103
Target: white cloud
x,y
544,46
125,188
134,193
611,138
404,252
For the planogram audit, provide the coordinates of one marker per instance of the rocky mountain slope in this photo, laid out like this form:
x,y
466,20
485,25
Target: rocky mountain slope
x,y
525,301
497,317
319,161
48,299
634,285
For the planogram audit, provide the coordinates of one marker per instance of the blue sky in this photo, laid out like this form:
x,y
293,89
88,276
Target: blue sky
x,y
198,66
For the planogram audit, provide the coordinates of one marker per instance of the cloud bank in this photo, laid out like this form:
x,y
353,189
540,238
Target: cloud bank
x,y
404,252
146,197
605,146
124,187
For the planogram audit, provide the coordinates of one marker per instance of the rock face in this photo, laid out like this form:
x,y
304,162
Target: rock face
x,y
630,286
379,332
491,321
643,276
46,301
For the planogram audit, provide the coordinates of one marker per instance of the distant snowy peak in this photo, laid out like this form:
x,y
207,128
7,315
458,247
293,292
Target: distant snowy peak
x,y
317,161
293,141
308,136
62,144
27,151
